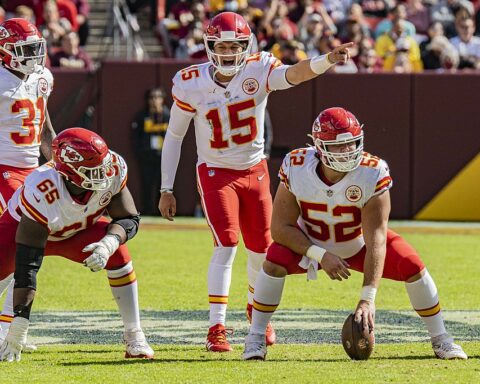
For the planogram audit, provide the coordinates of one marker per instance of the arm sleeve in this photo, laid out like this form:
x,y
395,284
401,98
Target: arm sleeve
x,y
177,129
277,80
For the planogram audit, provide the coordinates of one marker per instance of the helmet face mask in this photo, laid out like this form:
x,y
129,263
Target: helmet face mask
x,y
338,128
83,158
22,48
95,178
232,28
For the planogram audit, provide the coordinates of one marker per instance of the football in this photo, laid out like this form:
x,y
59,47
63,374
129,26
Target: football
x,y
357,343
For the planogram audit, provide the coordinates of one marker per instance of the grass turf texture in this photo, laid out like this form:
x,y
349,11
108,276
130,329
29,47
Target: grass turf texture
x,y
171,267
399,363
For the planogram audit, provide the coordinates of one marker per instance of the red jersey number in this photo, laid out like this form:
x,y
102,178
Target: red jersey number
x,y
218,141
34,131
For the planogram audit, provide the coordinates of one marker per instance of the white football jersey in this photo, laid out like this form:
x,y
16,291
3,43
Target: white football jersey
x,y
331,215
22,114
45,198
228,121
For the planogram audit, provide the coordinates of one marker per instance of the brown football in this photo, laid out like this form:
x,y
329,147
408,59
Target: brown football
x,y
357,343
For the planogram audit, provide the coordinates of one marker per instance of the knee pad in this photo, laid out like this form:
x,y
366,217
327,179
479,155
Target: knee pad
x,y
223,255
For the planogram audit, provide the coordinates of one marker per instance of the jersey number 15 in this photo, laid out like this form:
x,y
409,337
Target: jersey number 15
x,y
218,141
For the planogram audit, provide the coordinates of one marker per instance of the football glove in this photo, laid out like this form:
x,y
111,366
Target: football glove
x,y
102,251
11,349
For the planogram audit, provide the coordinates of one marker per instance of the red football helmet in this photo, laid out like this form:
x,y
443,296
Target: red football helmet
x,y
228,27
22,47
83,158
337,126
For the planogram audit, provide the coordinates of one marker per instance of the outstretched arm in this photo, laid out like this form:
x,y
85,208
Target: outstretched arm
x,y
308,69
47,136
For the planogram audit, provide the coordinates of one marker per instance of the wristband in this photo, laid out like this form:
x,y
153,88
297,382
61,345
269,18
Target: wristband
x,y
166,190
316,253
368,293
320,64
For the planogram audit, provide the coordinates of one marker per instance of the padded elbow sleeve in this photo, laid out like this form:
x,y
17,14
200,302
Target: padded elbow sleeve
x,y
129,224
28,261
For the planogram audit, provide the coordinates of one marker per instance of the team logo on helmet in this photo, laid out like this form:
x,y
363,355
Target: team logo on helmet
x,y
105,199
70,155
43,86
250,86
4,33
353,193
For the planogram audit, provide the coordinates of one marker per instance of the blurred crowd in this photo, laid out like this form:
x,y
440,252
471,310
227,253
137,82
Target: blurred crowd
x,y
390,35
63,24
399,36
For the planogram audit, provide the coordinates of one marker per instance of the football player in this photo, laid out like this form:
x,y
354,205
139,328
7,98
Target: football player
x,y
25,128
331,213
226,97
59,211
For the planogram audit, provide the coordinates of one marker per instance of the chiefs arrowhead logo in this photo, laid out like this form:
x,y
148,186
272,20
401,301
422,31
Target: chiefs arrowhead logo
x,y
70,155
4,33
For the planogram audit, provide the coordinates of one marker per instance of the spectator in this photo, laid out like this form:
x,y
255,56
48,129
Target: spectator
x,y
431,55
449,60
54,27
435,29
369,62
419,15
24,12
71,55
375,10
217,6
83,12
444,12
395,42
401,63
289,52
192,46
311,32
66,9
149,128
467,45
175,26
397,13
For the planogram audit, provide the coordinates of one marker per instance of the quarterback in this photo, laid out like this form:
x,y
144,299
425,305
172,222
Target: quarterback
x,y
331,213
226,98
25,128
59,211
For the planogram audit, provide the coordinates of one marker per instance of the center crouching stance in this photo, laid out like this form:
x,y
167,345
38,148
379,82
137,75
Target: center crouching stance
x,y
331,213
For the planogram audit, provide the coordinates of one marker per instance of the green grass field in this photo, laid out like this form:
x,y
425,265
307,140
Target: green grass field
x,y
79,333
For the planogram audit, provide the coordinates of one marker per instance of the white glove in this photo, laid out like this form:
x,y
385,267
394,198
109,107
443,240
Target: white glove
x,y
102,251
11,349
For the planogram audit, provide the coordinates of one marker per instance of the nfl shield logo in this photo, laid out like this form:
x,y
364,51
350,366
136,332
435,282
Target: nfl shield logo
x,y
211,172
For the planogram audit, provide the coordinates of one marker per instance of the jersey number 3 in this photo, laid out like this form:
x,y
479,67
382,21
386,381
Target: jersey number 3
x,y
218,141
33,134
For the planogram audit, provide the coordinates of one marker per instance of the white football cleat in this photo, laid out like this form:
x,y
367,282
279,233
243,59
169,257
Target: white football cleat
x,y
255,347
446,349
137,345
